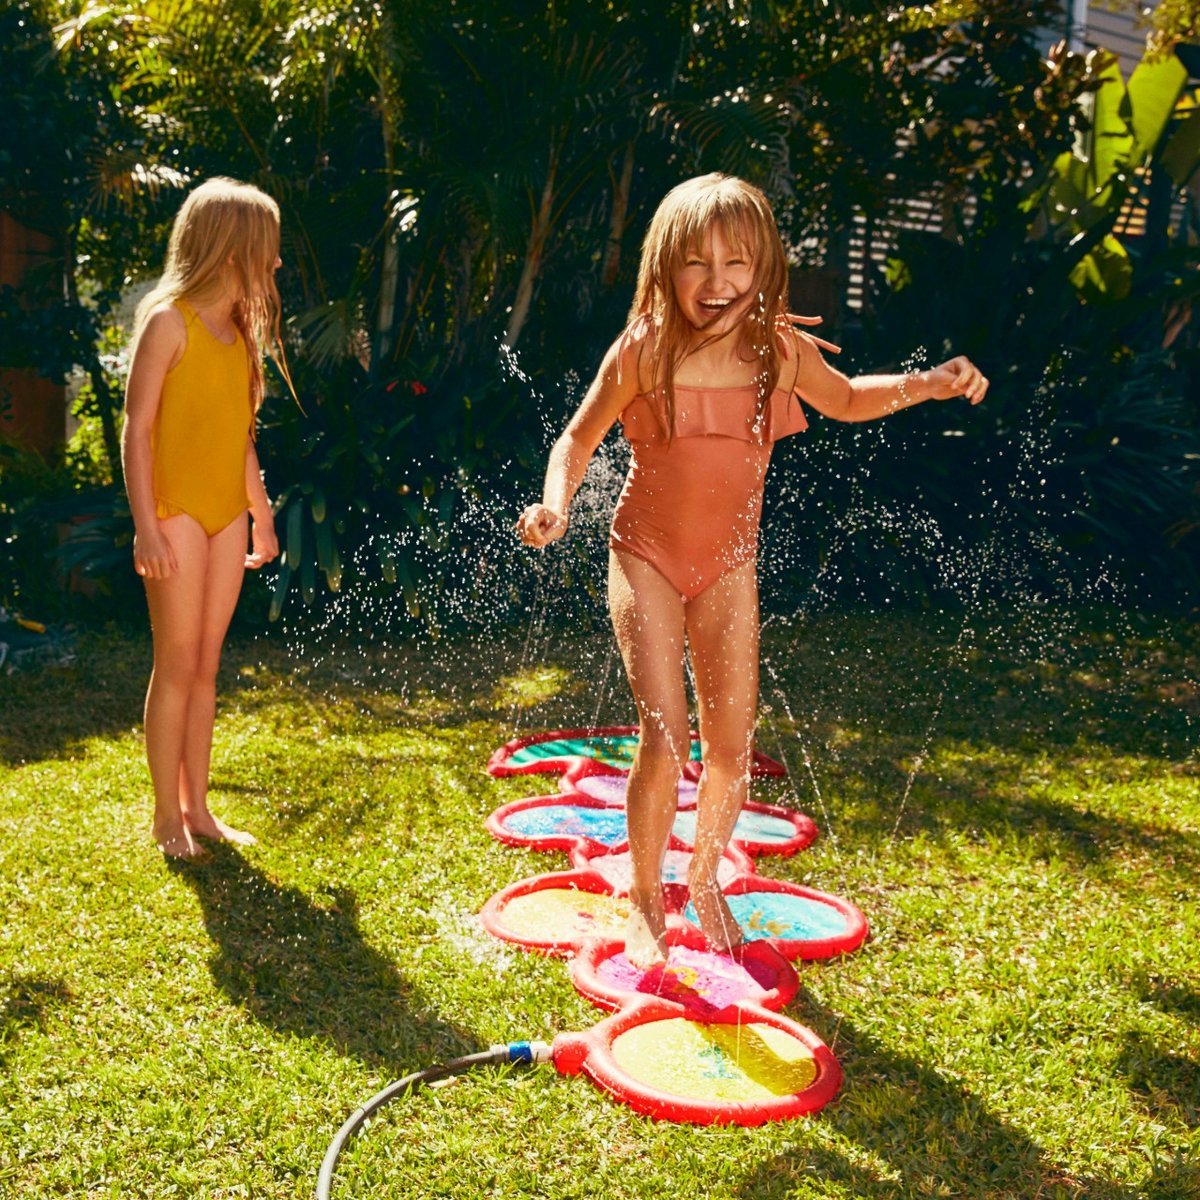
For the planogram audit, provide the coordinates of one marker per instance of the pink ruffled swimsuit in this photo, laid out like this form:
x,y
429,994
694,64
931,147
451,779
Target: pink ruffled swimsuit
x,y
691,505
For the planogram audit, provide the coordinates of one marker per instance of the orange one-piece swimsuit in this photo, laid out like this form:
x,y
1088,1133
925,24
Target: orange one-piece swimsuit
x,y
691,504
198,441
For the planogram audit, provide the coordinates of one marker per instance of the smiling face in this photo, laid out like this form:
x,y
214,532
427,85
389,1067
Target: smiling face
x,y
714,281
713,266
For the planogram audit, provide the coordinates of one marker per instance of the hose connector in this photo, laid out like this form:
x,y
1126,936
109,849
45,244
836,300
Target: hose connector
x,y
525,1052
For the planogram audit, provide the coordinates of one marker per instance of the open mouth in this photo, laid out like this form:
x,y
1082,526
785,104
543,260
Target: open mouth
x,y
715,306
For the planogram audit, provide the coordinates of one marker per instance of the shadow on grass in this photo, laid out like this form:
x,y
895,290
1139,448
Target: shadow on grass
x,y
49,714
1174,998
932,1137
1166,1083
899,686
24,1001
883,673
1004,741
46,714
306,969
994,799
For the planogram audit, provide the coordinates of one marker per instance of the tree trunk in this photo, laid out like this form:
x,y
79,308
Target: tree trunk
x,y
533,256
616,228
389,275
388,282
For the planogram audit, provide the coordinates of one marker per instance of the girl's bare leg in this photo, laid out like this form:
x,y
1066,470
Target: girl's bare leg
x,y
722,632
176,618
222,585
647,615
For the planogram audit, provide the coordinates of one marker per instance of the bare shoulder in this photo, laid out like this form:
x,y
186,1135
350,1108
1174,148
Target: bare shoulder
x,y
613,389
165,323
631,355
160,344
163,335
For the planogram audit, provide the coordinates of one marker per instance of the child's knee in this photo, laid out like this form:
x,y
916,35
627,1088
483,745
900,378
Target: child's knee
x,y
663,748
207,664
729,760
176,662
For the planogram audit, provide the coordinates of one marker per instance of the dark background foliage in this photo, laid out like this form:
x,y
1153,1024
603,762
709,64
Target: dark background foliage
x,y
464,186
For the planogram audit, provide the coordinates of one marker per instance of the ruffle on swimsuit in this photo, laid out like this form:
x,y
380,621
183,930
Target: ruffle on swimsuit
x,y
691,504
714,412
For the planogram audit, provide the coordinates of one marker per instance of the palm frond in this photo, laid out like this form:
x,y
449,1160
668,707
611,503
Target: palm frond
x,y
122,178
330,332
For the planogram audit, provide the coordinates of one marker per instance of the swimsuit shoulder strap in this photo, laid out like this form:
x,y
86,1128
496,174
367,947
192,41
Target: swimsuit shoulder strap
x,y
188,312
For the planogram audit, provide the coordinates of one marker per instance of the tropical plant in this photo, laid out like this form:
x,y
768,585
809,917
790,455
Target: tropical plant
x,y
1170,21
462,184
1089,445
1110,169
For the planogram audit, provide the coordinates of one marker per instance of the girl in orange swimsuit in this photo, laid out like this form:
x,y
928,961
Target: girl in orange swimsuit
x,y
707,376
192,474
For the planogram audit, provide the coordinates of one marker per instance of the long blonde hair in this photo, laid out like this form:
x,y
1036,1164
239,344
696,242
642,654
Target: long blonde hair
x,y
681,223
225,224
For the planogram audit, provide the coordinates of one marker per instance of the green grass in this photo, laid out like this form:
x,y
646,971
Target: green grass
x,y
1014,803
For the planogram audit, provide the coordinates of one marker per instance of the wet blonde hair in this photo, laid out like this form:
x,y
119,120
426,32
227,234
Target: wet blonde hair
x,y
226,225
682,223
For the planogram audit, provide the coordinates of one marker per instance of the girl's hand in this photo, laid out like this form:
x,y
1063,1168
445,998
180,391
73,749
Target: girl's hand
x,y
539,525
957,377
153,555
795,319
263,540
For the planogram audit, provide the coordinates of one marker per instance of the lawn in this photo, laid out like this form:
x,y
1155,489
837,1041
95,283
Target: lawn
x,y
1013,800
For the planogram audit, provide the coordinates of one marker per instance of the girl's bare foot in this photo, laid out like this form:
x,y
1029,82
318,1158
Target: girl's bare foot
x,y
720,930
646,931
176,841
205,825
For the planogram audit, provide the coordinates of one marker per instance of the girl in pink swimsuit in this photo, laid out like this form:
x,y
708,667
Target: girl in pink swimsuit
x,y
707,376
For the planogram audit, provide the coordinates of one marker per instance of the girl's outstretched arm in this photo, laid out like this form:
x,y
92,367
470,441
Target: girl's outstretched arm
x,y
868,397
160,346
615,386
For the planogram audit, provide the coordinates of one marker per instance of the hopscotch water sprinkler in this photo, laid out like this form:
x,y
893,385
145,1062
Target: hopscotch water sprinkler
x,y
700,1038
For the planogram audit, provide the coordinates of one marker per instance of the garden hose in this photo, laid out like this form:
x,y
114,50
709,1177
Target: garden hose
x,y
505,1052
